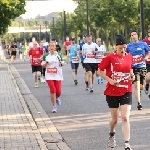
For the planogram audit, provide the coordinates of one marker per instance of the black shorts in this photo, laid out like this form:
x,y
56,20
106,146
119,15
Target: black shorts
x,y
116,101
43,71
82,64
13,53
36,68
97,66
148,67
90,67
140,74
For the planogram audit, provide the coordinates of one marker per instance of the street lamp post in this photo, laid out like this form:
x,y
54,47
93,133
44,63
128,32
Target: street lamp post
x,y
142,18
87,17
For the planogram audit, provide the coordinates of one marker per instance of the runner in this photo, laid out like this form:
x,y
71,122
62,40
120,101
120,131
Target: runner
x,y
83,41
119,75
35,55
66,44
138,50
52,63
45,45
88,51
25,51
147,78
73,55
20,51
99,57
13,50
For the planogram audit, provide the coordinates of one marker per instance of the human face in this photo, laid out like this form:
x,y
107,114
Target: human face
x,y
73,41
35,45
121,49
98,41
148,33
52,47
134,37
89,40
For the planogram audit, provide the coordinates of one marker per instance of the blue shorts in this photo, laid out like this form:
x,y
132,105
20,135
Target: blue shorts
x,y
74,65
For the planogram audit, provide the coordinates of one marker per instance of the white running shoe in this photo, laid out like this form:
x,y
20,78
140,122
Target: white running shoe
x,y
112,142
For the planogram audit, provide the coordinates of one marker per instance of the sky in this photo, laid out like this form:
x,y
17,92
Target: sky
x,y
33,8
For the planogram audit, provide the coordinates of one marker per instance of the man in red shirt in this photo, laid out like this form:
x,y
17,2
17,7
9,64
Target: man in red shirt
x,y
147,78
119,75
66,44
35,54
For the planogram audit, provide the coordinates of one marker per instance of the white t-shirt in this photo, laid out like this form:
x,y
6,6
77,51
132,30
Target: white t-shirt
x,y
53,69
100,55
88,51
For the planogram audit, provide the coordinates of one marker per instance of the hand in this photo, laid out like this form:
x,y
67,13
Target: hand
x,y
132,77
112,82
93,51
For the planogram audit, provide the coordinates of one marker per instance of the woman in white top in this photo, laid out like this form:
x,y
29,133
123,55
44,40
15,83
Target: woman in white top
x,y
53,74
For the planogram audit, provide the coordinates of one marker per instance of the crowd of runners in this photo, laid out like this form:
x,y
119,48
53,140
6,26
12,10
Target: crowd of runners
x,y
127,66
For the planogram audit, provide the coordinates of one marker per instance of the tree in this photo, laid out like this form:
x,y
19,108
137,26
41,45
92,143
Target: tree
x,y
10,9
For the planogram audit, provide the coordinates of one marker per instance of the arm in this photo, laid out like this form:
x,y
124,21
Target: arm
x,y
105,63
147,51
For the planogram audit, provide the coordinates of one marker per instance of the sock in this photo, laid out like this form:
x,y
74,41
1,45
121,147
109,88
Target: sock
x,y
86,83
127,142
112,134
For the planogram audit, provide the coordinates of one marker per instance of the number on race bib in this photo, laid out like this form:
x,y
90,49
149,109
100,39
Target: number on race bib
x,y
137,59
75,60
36,61
90,56
51,71
122,79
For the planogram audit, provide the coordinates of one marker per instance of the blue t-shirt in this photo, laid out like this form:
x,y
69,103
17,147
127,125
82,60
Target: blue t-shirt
x,y
72,52
20,47
81,45
138,51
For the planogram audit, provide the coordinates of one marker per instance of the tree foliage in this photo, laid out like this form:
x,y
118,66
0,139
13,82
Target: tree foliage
x,y
10,9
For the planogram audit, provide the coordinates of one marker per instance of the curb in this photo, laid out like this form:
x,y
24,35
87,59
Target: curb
x,y
47,134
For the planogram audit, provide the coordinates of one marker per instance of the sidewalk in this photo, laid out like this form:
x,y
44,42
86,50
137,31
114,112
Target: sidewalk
x,y
24,123
16,126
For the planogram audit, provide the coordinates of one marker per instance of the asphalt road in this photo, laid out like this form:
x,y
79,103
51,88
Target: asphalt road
x,y
83,117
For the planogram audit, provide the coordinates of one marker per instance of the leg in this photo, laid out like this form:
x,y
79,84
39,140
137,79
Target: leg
x,y
114,119
125,103
137,91
58,86
125,113
90,78
113,103
51,84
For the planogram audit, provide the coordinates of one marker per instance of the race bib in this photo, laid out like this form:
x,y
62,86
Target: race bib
x,y
121,78
36,61
90,56
99,58
52,71
75,60
137,59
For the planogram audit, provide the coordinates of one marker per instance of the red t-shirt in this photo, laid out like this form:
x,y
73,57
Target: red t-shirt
x,y
117,68
148,43
66,44
36,55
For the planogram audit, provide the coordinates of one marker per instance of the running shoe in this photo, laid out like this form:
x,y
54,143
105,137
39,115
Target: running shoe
x,y
146,88
54,110
112,142
39,80
75,82
139,106
91,90
127,146
58,101
36,85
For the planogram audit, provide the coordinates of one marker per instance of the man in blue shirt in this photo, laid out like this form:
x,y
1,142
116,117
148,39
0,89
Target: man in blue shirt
x,y
140,52
73,53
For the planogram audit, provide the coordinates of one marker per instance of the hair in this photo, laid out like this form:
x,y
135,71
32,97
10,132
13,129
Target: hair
x,y
52,42
132,31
